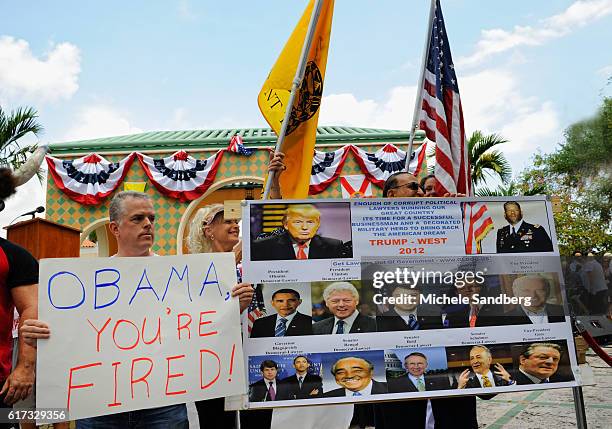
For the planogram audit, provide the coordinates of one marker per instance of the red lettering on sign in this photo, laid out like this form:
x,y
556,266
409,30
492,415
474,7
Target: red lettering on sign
x,y
214,380
206,322
98,333
78,386
157,335
176,375
184,326
231,370
119,322
142,379
389,242
115,403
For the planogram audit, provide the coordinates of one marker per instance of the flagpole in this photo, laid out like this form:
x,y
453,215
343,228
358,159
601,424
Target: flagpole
x,y
297,81
419,97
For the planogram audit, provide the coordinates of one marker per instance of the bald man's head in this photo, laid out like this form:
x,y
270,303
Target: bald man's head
x,y
402,184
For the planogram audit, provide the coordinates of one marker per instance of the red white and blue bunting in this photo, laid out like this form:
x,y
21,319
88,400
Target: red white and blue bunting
x,y
89,179
180,175
326,167
378,166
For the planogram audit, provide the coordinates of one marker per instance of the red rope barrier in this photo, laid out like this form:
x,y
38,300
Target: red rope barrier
x,y
593,343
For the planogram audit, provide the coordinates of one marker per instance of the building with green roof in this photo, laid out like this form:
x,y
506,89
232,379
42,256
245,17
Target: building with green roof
x,y
237,178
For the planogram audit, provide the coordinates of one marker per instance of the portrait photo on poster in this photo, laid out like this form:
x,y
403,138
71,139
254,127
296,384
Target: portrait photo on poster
x,y
498,365
354,374
342,308
300,231
417,369
284,377
284,311
508,226
507,299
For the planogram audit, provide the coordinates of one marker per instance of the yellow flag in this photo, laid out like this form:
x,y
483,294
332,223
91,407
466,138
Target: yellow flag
x,y
274,95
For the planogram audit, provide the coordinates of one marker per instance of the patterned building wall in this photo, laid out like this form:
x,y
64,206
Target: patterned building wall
x,y
62,209
350,167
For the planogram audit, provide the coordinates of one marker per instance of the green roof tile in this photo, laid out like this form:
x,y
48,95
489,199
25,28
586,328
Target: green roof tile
x,y
219,139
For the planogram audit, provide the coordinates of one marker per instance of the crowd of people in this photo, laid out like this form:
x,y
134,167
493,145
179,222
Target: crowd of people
x,y
589,281
132,222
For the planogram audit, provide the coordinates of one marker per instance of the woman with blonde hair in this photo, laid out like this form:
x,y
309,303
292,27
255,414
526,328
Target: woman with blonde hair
x,y
210,232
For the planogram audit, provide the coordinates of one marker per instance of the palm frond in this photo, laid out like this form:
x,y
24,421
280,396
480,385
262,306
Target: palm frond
x,y
487,192
479,143
18,124
511,190
491,164
486,162
13,127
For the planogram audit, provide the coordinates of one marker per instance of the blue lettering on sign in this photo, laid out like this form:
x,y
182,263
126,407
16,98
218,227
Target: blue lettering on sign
x,y
104,285
180,277
67,307
211,282
144,276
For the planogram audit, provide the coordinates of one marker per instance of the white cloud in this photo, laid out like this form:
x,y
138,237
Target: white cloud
x,y
100,121
394,113
492,102
334,109
497,40
605,71
22,74
184,119
185,10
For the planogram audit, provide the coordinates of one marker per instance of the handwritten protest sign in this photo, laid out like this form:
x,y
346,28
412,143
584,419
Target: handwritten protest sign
x,y
134,333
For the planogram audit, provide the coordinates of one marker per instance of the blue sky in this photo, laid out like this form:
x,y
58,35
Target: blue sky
x,y
525,69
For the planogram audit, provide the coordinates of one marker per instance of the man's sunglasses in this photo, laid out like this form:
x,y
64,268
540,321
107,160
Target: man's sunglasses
x,y
413,186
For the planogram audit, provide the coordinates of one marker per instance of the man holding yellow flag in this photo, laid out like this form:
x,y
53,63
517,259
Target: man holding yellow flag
x,y
298,139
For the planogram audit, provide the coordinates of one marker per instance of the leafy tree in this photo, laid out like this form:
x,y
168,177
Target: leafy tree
x,y
579,172
13,127
486,162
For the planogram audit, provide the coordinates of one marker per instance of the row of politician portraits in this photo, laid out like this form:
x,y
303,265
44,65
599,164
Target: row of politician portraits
x,y
323,230
318,308
365,373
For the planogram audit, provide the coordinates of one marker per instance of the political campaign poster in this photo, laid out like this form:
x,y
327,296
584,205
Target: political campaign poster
x,y
326,239
135,333
387,299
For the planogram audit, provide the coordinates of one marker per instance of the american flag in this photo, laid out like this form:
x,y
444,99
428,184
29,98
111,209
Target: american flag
x,y
236,145
477,223
256,309
441,115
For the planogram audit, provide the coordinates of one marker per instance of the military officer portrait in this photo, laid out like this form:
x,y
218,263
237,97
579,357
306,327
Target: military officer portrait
x,y
520,236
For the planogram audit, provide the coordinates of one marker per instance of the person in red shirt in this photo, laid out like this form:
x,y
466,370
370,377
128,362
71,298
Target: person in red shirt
x,y
18,289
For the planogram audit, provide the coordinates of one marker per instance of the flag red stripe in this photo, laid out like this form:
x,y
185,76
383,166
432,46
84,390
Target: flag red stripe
x,y
487,222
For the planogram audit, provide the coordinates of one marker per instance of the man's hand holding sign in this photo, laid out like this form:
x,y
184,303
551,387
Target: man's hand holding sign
x,y
142,332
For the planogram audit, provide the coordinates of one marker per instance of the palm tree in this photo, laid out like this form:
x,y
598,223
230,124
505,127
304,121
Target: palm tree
x,y
510,190
486,162
13,127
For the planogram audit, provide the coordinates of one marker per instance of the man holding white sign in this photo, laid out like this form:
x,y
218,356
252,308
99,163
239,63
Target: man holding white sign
x,y
190,343
132,222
